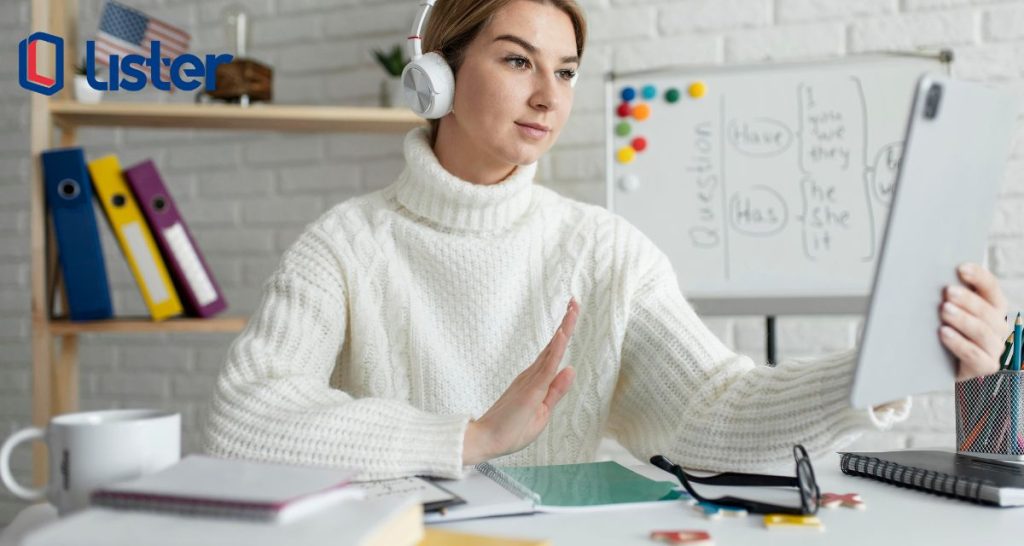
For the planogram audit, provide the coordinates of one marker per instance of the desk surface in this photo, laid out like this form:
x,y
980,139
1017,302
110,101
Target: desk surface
x,y
893,516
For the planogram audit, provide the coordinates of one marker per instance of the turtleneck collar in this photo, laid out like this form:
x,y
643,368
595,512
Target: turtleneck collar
x,y
429,190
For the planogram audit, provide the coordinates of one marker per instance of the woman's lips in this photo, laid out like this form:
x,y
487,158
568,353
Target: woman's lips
x,y
530,132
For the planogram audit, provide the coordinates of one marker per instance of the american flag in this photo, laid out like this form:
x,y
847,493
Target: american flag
x,y
125,30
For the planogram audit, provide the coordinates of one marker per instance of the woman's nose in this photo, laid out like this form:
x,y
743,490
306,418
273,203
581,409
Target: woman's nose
x,y
545,97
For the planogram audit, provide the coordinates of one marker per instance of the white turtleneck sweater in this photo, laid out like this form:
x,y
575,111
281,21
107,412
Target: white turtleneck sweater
x,y
399,315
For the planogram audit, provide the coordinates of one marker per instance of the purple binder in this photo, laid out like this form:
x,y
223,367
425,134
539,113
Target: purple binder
x,y
192,277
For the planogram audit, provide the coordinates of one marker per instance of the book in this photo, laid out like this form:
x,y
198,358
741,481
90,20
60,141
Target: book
x,y
136,241
499,491
355,522
191,275
80,253
943,473
444,537
591,486
210,486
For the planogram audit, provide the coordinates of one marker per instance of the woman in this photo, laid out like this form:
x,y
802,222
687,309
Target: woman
x,y
398,333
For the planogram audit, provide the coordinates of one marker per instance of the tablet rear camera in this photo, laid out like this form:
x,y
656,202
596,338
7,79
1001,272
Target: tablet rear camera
x,y
931,102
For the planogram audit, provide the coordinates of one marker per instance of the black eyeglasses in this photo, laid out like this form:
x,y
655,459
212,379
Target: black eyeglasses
x,y
806,484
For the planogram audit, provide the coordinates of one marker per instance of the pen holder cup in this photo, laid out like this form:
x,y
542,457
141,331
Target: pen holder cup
x,y
988,415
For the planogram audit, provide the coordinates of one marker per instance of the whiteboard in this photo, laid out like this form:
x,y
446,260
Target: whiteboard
x,y
770,191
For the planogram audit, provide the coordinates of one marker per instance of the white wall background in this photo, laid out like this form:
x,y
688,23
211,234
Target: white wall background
x,y
248,195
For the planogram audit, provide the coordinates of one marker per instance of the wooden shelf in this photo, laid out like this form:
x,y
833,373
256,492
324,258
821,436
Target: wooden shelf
x,y
62,327
266,117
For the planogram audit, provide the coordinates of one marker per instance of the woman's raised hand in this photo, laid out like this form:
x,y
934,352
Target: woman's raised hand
x,y
523,410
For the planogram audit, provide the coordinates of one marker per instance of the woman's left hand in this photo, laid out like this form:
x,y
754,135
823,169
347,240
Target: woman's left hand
x,y
974,321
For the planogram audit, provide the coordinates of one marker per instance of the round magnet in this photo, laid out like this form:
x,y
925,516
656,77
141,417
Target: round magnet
x,y
629,182
626,154
641,111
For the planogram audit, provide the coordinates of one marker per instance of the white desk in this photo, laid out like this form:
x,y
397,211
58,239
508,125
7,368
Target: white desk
x,y
894,516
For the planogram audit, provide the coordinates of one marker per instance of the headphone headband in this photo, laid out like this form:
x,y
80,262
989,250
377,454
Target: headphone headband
x,y
415,40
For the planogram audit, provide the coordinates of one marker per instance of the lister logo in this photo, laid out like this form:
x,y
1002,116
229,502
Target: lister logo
x,y
131,72
127,73
29,75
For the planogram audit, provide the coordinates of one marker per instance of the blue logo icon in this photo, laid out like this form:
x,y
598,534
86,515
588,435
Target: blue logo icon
x,y
29,75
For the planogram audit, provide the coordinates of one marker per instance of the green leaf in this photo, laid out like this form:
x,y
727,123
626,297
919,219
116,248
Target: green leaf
x,y
392,61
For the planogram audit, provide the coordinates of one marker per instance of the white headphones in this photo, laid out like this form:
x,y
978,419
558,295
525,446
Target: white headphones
x,y
428,79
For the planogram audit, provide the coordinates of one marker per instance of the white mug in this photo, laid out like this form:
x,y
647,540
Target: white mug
x,y
94,448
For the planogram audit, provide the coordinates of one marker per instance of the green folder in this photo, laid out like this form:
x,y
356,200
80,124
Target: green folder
x,y
589,485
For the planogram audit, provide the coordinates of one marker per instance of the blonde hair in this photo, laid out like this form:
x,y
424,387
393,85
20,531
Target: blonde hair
x,y
453,24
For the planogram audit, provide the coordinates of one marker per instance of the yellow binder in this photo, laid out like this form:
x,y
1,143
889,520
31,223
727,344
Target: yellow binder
x,y
136,240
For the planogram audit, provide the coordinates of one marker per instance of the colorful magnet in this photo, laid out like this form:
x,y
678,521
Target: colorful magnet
x,y
628,94
622,129
649,92
849,500
692,537
639,143
624,110
789,521
626,154
697,89
715,511
641,111
672,95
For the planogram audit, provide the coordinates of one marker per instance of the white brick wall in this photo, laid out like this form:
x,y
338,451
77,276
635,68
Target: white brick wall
x,y
248,195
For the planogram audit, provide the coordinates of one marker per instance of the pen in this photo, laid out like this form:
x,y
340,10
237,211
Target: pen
x,y
1016,344
1015,385
1007,347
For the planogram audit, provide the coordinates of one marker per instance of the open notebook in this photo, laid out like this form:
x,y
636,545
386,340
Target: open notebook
x,y
500,491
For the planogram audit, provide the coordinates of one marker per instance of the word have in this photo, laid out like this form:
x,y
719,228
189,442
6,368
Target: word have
x,y
127,72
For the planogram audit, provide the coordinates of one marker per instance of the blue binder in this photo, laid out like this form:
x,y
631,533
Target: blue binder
x,y
69,198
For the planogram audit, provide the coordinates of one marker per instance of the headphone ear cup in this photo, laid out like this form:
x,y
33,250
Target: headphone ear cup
x,y
429,86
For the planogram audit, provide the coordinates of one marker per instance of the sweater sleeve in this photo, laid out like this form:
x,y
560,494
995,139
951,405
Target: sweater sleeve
x,y
682,393
273,400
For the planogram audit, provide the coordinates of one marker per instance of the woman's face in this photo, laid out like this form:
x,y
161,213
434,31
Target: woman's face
x,y
515,72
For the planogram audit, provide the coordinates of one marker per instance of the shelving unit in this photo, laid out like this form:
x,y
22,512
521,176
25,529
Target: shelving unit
x,y
55,368
69,115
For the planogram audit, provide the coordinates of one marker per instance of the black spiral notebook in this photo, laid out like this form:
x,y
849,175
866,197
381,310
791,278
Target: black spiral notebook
x,y
942,472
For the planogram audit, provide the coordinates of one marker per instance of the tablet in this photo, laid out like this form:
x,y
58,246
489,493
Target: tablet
x,y
954,156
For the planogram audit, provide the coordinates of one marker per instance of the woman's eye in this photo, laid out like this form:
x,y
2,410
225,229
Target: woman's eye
x,y
568,74
514,60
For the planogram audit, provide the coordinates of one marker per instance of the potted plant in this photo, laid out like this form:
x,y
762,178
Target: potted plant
x,y
84,93
391,92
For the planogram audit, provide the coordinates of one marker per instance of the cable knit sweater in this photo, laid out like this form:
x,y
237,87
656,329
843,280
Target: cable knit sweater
x,y
400,315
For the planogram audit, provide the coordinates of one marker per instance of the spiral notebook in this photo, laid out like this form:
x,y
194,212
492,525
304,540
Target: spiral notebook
x,y
502,491
943,473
